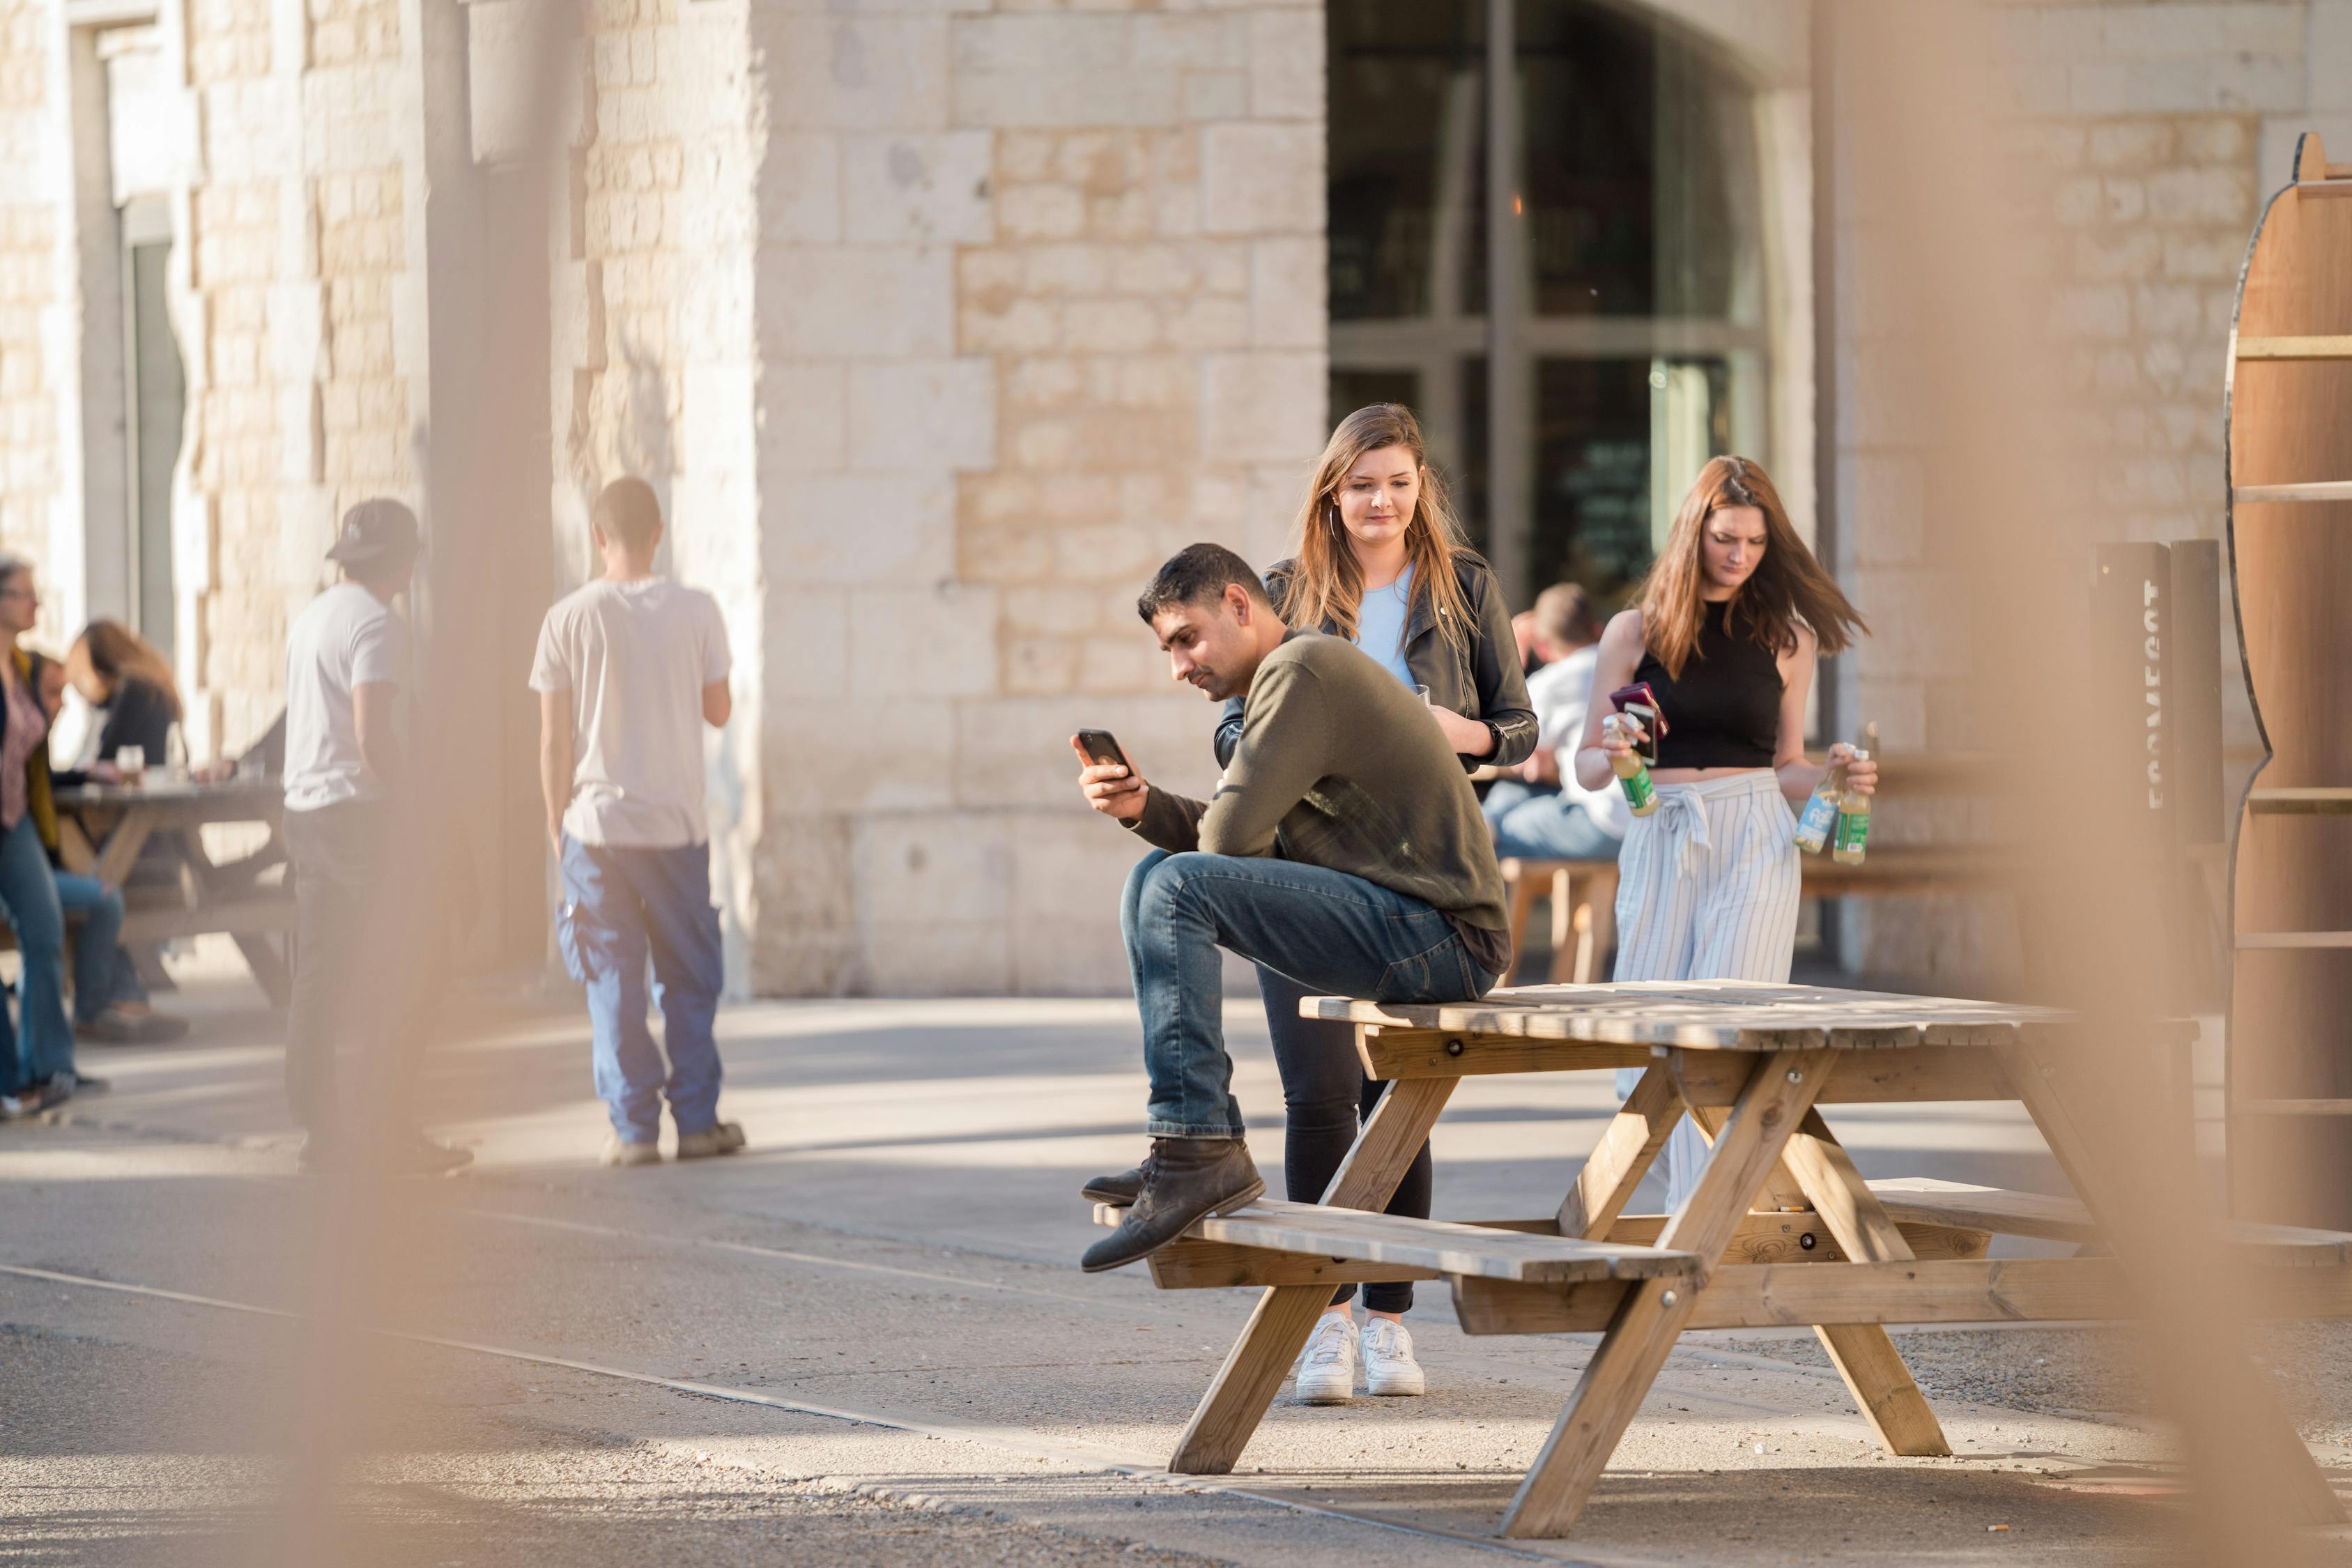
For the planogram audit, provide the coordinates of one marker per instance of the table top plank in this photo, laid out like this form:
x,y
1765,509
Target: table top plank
x,y
1708,1015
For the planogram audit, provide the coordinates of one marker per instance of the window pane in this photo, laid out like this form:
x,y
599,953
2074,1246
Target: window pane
x,y
1395,66
1354,389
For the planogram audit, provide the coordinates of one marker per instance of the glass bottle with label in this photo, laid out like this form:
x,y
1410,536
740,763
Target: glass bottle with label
x,y
1633,775
1853,834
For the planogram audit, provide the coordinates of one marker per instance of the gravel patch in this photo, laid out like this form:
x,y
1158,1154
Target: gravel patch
x,y
2095,1373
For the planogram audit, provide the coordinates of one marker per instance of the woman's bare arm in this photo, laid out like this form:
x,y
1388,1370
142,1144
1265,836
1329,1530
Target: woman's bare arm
x,y
1612,666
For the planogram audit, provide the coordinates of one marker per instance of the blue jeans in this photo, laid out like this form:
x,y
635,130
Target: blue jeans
x,y
103,974
1333,933
1530,824
41,1043
621,906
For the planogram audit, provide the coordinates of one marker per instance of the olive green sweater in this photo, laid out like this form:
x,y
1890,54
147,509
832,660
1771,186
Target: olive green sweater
x,y
1340,766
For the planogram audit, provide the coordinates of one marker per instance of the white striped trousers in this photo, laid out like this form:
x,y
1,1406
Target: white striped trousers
x,y
1708,890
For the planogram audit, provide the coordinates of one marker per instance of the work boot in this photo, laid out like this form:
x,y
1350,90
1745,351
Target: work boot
x,y
1118,1191
724,1138
1185,1180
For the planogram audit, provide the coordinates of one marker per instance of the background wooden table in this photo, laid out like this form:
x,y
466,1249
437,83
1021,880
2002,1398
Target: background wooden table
x,y
103,828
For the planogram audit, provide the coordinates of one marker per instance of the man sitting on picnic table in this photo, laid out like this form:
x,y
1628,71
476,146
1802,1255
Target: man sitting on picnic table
x,y
1344,848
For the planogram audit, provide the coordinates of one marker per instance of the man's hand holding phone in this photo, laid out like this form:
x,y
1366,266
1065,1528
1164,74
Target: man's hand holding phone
x,y
1111,787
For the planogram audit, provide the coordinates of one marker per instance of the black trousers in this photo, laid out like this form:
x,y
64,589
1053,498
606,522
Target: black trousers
x,y
1324,1099
337,856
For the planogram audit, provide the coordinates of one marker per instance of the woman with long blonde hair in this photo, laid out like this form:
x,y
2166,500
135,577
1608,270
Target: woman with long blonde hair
x,y
1725,631
1381,561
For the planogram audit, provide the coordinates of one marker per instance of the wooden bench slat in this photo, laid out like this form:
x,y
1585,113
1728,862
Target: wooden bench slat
x,y
1922,1199
1314,1230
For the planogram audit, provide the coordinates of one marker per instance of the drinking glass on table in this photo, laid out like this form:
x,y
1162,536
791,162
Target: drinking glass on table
x,y
131,761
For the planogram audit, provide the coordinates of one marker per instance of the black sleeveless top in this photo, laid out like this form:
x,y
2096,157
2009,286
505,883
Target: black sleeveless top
x,y
1725,712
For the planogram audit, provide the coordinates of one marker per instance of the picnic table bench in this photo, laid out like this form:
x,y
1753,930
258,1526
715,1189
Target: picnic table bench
x,y
103,827
1777,1203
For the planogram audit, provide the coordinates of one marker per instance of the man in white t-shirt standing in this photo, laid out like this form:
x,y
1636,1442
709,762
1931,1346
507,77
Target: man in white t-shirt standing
x,y
346,666
1544,814
629,669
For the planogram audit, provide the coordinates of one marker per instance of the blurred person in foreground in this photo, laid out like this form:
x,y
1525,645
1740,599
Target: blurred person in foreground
x,y
347,666
1344,850
629,669
128,684
1542,814
36,1053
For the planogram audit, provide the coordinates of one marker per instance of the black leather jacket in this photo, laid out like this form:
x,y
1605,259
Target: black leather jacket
x,y
1478,680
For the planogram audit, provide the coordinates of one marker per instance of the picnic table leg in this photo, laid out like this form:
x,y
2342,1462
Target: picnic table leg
x,y
269,969
2262,1421
1253,1370
1642,1334
1863,1354
121,847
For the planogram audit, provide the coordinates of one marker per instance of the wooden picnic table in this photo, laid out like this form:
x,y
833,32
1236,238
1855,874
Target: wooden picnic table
x,y
101,828
1778,1229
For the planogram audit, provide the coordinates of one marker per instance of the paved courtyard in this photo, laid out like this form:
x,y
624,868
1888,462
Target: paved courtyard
x,y
865,1340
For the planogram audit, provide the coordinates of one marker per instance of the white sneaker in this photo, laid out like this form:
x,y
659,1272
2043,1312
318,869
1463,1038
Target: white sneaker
x,y
1326,1368
1389,1366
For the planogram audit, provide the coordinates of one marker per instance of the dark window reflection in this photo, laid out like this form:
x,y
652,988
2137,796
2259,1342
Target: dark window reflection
x,y
1394,67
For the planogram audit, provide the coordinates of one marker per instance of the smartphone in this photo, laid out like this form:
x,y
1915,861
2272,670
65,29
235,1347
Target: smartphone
x,y
1103,751
1640,701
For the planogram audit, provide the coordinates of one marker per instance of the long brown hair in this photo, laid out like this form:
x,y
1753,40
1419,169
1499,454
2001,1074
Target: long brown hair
x,y
1787,588
115,651
1327,587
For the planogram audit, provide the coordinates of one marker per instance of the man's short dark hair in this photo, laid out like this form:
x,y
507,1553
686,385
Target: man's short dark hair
x,y
1566,614
628,514
1194,574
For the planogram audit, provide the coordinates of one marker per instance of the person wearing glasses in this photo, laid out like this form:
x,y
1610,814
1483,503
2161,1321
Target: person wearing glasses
x,y
37,1066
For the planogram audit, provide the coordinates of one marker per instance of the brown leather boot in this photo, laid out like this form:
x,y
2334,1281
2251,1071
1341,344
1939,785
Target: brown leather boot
x,y
1119,1189
1184,1180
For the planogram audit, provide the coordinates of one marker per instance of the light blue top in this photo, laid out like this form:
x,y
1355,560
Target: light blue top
x,y
1380,622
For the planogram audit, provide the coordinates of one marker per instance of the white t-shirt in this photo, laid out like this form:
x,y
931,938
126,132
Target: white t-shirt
x,y
344,638
635,656
1562,694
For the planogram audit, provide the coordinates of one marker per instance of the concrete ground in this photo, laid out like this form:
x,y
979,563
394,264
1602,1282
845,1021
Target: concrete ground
x,y
866,1339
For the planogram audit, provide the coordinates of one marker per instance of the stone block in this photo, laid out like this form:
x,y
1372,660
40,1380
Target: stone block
x,y
1262,408
805,415
1289,300
1013,752
1110,326
1188,41
877,302
842,72
938,641
804,644
1262,178
857,529
2329,36
1286,64
947,868
2201,195
1214,95
2260,82
918,190
1056,69
1890,509
821,756
923,415
1041,212
800,194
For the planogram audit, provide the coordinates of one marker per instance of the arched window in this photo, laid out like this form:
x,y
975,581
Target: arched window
x,y
1635,315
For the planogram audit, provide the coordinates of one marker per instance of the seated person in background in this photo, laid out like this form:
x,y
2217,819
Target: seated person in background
x,y
1343,849
121,676
1543,813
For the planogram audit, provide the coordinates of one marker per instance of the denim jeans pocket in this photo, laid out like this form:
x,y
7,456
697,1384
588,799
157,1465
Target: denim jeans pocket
x,y
1419,977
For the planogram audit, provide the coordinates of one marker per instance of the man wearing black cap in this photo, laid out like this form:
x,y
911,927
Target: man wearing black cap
x,y
346,661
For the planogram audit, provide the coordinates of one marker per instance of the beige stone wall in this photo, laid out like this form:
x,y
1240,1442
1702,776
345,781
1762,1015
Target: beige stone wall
x,y
1041,301
2147,134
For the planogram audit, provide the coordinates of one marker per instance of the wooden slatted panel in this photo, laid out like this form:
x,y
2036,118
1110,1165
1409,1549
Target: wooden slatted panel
x,y
2310,801
2301,493
2254,938
2304,348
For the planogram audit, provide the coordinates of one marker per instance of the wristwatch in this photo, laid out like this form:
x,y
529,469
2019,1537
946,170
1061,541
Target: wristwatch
x,y
1495,730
